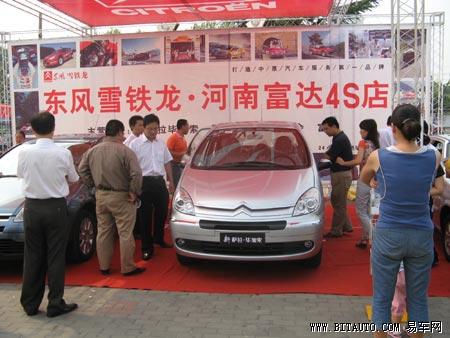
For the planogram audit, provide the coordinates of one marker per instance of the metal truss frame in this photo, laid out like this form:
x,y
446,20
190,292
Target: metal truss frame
x,y
5,98
436,82
411,61
408,49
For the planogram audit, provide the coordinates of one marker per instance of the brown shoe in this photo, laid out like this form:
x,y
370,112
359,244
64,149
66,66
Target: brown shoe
x,y
136,271
332,235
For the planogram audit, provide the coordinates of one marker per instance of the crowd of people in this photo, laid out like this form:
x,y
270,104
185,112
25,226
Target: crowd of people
x,y
130,190
129,178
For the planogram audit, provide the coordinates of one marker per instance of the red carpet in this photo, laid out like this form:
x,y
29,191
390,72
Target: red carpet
x,y
344,271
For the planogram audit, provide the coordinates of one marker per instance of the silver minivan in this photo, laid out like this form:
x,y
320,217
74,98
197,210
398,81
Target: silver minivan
x,y
250,192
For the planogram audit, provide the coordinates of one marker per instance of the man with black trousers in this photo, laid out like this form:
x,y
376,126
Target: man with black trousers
x,y
155,161
46,170
341,176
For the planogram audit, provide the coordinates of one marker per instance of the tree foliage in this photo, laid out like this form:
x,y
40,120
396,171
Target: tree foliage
x,y
355,8
219,24
446,94
113,31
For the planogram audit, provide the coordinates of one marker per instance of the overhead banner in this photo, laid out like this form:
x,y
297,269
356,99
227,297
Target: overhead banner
x,y
301,75
127,12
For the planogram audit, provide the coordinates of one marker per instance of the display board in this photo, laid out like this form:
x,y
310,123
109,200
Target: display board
x,y
294,74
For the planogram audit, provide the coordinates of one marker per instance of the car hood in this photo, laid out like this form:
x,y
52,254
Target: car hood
x,y
51,56
261,189
11,194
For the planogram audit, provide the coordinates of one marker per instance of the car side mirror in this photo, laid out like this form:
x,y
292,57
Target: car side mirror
x,y
323,164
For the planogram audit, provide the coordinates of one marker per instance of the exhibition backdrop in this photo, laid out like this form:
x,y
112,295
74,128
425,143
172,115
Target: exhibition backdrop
x,y
294,74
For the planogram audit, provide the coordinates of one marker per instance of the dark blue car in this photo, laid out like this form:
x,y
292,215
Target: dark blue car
x,y
80,202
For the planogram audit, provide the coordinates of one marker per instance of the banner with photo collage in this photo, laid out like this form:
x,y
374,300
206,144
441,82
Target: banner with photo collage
x,y
296,74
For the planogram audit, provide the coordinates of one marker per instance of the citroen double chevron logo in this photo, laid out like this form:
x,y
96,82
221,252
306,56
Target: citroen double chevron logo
x,y
243,209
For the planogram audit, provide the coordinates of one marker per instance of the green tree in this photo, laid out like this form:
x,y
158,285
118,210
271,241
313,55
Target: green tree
x,y
112,31
446,93
219,24
356,8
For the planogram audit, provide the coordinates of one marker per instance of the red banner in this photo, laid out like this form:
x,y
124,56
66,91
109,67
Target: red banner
x,y
5,111
127,12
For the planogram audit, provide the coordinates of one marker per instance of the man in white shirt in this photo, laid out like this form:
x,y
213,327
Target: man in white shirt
x,y
155,161
136,123
46,170
386,136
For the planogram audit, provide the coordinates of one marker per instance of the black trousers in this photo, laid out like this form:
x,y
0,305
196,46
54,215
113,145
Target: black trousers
x,y
155,199
177,170
46,235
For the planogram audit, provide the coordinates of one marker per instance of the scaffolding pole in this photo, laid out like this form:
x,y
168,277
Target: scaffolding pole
x,y
408,49
437,72
5,98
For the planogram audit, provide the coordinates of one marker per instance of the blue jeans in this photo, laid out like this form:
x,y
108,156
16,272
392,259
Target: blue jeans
x,y
362,204
389,248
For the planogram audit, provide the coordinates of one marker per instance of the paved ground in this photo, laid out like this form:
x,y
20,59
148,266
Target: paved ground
x,y
134,313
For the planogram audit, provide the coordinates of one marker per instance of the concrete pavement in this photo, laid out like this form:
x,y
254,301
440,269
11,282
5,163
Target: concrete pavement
x,y
111,313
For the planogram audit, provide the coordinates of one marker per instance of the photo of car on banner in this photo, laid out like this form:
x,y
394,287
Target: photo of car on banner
x,y
322,45
24,66
185,49
370,44
141,51
58,55
98,53
26,105
233,47
276,45
251,192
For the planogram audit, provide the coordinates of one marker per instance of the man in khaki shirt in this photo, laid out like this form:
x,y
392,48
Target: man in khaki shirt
x,y
115,172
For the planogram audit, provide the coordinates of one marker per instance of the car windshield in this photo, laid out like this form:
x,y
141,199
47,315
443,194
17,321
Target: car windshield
x,y
252,149
275,44
8,162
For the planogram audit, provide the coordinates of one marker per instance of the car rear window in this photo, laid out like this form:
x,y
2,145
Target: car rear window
x,y
252,149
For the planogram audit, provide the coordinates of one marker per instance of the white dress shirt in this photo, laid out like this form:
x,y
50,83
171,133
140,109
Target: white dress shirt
x,y
386,137
130,139
152,155
45,168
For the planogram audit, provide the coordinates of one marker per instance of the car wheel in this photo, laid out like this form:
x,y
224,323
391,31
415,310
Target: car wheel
x,y
186,261
82,240
445,235
60,61
313,262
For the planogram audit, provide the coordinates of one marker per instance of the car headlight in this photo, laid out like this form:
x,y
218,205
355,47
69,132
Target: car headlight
x,y
19,217
308,203
183,202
